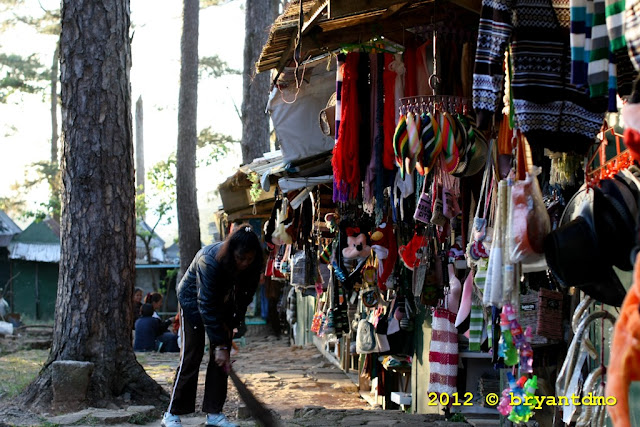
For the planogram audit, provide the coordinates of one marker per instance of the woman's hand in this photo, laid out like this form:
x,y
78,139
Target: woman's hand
x,y
221,355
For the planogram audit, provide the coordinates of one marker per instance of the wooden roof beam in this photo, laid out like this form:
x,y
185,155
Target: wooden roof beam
x,y
394,9
312,17
340,8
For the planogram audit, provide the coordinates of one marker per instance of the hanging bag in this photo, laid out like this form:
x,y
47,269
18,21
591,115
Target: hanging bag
x,y
529,221
443,353
476,249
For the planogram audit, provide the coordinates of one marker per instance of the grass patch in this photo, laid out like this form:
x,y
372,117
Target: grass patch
x,y
18,369
87,421
140,419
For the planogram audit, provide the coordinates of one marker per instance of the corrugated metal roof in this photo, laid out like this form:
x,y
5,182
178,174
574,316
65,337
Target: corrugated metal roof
x,y
7,226
45,231
148,266
42,252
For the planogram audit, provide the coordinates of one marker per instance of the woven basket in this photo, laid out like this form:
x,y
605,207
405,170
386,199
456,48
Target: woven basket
x,y
550,314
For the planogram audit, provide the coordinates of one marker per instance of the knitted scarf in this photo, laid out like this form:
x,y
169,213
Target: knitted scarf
x,y
378,142
364,104
345,161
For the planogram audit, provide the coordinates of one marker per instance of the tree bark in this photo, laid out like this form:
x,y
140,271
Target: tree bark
x,y
139,147
186,195
97,265
259,16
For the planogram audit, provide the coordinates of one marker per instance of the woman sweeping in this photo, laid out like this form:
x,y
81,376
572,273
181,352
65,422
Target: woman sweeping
x,y
213,294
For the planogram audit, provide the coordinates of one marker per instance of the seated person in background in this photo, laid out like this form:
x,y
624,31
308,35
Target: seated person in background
x,y
168,340
148,329
155,299
137,305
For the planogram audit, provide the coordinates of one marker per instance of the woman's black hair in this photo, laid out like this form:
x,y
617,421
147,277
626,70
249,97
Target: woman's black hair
x,y
146,310
152,297
243,240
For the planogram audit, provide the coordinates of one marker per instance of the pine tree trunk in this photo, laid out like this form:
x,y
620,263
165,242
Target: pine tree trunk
x,y
97,266
260,14
186,196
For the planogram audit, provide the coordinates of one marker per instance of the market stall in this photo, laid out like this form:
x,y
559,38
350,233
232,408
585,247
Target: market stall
x,y
469,247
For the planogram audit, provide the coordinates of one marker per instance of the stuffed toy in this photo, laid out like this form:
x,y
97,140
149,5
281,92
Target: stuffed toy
x,y
385,247
331,220
357,246
412,251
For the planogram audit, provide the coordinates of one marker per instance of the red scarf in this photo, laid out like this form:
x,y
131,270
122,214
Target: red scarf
x,y
346,168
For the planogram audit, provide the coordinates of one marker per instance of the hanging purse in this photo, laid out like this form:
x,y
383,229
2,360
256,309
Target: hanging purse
x,y
437,214
423,209
476,249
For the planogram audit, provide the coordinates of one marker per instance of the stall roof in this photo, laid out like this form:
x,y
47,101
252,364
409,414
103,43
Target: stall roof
x,y
40,241
8,229
330,24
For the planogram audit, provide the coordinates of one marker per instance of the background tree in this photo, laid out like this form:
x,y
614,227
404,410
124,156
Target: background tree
x,y
161,198
260,14
187,201
97,266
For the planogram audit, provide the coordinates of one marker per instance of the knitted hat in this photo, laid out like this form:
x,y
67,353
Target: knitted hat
x,y
401,143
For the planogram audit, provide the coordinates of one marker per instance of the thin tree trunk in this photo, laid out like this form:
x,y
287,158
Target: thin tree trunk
x,y
140,171
54,106
97,266
54,183
259,15
186,196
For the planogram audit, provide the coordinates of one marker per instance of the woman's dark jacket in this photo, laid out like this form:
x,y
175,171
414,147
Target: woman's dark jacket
x,y
147,330
212,296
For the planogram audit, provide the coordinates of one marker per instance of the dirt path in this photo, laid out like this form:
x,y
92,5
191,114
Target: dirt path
x,y
283,377
296,383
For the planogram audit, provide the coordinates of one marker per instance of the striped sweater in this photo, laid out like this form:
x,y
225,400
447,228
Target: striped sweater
x,y
550,110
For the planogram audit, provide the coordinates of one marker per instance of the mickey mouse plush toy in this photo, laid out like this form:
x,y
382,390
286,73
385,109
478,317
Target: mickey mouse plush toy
x,y
354,254
357,246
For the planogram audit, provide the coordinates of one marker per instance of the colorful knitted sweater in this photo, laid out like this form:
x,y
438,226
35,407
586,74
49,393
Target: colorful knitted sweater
x,y
550,110
597,45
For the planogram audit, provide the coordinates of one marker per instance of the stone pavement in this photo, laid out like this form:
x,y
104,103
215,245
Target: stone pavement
x,y
296,383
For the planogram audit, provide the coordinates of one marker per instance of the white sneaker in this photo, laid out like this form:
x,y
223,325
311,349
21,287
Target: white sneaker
x,y
170,420
219,420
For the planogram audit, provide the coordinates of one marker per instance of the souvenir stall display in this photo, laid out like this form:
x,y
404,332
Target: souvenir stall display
x,y
480,230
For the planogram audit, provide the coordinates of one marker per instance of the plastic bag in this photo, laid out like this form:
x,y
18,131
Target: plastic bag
x,y
529,221
365,337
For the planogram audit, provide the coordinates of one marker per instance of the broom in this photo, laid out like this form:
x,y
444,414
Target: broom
x,y
262,415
